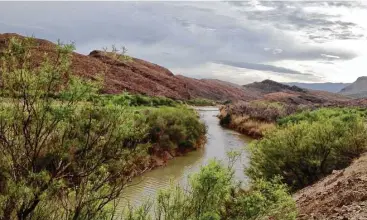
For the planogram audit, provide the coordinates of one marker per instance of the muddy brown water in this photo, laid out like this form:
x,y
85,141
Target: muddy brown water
x,y
219,142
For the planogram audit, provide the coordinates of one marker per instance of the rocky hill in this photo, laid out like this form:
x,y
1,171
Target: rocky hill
x,y
274,91
139,76
136,75
358,89
214,89
328,86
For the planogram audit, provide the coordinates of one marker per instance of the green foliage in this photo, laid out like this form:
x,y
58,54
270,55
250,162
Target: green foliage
x,y
213,194
322,114
126,99
75,155
67,152
174,128
264,200
310,149
201,102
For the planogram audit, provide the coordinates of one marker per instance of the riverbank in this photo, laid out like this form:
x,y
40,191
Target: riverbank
x,y
244,123
157,157
341,195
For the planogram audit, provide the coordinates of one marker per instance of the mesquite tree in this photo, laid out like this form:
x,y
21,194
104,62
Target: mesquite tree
x,y
62,155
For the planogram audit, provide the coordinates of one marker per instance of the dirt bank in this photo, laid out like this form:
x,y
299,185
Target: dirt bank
x,y
341,195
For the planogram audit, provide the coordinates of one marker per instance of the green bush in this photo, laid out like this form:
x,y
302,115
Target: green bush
x,y
174,127
263,200
213,194
310,149
322,114
201,102
127,99
60,158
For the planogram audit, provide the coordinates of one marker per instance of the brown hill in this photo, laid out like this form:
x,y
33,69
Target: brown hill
x,y
136,75
274,91
358,89
214,89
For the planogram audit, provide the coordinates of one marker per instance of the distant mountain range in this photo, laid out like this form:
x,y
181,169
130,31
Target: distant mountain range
x,y
328,86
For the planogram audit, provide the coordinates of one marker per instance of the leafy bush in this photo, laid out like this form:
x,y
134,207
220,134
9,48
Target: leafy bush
x,y
201,102
174,127
60,159
213,194
126,99
322,114
304,152
67,152
263,200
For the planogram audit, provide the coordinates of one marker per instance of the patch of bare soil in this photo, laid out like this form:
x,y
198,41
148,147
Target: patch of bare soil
x,y
341,195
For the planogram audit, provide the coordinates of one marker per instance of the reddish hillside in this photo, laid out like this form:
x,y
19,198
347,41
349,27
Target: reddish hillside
x,y
137,76
214,89
274,91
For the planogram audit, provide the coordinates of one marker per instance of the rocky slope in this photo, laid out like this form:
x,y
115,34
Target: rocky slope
x,y
358,89
341,195
214,89
136,75
328,86
274,91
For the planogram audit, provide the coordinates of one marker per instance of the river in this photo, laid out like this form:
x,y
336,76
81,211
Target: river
x,y
219,141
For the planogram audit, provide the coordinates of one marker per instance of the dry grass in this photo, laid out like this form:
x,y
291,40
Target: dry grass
x,y
252,127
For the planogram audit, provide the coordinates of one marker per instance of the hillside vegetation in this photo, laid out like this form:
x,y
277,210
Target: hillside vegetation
x,y
134,75
310,145
67,152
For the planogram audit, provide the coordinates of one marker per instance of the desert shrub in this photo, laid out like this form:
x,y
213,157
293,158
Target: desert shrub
x,y
263,200
201,102
174,127
60,158
213,194
322,114
304,152
263,110
127,99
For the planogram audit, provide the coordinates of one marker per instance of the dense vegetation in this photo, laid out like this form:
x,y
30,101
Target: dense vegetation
x,y
309,145
67,152
127,99
255,118
201,102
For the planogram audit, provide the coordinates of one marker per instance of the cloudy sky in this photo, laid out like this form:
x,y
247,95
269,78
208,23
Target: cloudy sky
x,y
239,42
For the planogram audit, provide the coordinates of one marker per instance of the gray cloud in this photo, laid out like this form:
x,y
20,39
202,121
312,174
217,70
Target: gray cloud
x,y
186,35
262,67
